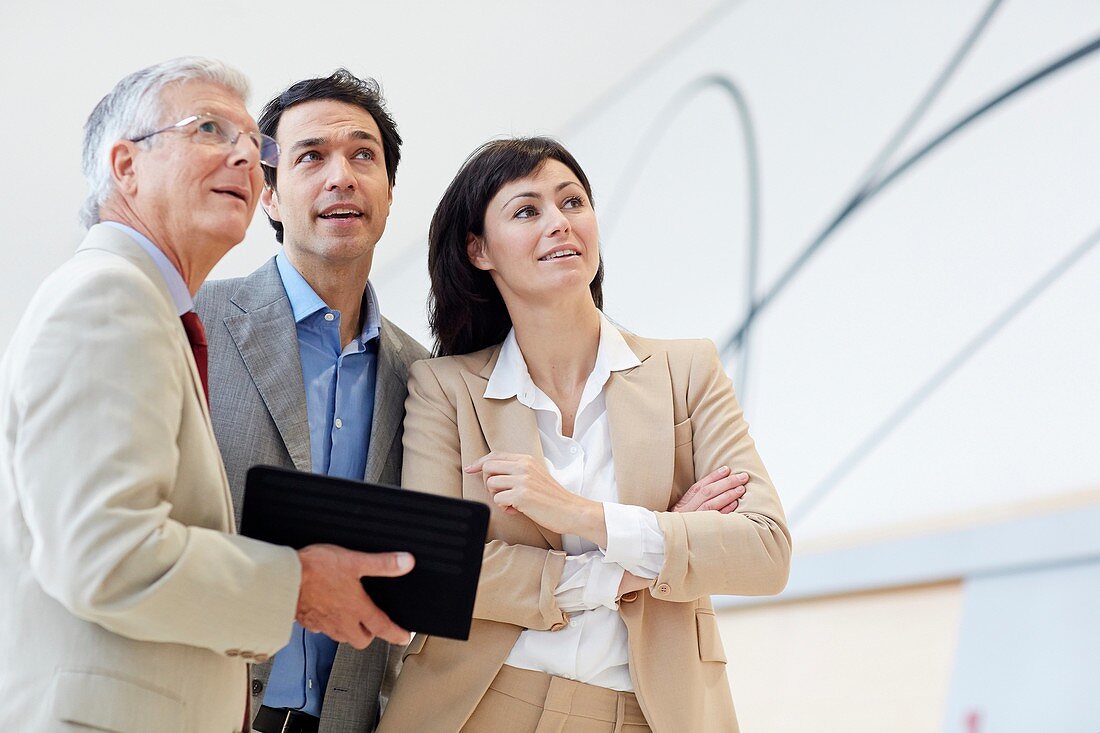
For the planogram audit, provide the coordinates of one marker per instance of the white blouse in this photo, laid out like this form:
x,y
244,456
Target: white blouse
x,y
594,647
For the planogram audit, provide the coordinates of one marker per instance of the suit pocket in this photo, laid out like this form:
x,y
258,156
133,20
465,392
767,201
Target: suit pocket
x,y
683,461
710,642
681,433
415,645
109,703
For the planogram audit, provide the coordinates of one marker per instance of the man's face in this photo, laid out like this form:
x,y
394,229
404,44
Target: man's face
x,y
332,194
189,192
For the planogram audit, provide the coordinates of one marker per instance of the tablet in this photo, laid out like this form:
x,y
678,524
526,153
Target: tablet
x,y
446,536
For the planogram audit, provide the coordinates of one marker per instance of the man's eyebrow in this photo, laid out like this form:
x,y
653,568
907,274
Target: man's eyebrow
x,y
309,142
364,135
319,142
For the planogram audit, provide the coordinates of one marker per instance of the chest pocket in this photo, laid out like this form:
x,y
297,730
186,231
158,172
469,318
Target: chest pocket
x,y
710,641
683,468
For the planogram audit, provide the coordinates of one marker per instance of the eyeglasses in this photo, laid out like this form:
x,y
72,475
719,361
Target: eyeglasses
x,y
214,130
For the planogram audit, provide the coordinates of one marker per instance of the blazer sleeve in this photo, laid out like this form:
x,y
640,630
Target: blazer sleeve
x,y
517,581
746,552
96,457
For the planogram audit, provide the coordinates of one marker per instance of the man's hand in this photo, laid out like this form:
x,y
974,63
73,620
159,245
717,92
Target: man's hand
x,y
720,491
331,599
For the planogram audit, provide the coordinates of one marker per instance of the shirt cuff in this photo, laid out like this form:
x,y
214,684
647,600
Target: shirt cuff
x,y
602,588
634,539
571,594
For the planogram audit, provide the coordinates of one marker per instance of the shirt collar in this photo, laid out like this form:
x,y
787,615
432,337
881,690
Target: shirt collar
x,y
177,288
510,377
304,300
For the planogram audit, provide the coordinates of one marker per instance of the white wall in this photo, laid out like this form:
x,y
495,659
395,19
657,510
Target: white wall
x,y
936,356
455,75
1023,662
860,663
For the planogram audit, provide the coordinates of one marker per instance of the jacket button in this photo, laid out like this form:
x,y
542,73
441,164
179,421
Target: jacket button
x,y
664,589
261,658
246,655
257,687
232,652
629,597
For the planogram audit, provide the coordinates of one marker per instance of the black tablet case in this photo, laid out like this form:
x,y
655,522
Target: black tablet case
x,y
446,536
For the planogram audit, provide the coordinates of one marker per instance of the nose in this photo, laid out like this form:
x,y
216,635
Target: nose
x,y
338,174
557,222
243,152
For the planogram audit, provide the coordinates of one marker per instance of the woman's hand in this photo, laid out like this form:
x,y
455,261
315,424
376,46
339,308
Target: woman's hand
x,y
521,483
720,491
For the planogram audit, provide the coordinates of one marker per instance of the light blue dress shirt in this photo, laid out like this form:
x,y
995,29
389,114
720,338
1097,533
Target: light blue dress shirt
x,y
339,386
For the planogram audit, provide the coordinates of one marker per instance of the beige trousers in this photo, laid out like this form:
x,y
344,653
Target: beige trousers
x,y
522,700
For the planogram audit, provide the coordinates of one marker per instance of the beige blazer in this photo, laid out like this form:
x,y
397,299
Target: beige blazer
x,y
128,605
674,418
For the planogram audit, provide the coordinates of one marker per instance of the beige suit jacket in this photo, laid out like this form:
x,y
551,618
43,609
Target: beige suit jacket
x,y
129,604
674,418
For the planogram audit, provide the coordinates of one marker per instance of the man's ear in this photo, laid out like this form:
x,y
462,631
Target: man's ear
x,y
122,157
269,199
475,251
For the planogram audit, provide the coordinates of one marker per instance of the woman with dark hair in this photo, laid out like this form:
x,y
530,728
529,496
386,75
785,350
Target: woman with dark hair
x,y
590,445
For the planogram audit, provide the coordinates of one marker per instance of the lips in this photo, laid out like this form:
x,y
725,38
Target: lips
x,y
560,253
236,192
341,211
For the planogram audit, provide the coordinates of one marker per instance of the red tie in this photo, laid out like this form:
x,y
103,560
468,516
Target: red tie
x,y
196,336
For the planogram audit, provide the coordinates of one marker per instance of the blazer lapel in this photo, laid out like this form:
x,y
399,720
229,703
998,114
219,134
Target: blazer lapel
x,y
390,390
508,427
265,330
122,244
117,242
639,412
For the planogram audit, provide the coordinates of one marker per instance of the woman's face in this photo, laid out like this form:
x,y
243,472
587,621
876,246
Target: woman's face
x,y
540,240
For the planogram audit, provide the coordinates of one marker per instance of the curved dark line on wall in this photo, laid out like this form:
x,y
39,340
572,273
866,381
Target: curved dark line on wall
x,y
739,345
885,428
650,66
929,97
703,24
862,197
656,130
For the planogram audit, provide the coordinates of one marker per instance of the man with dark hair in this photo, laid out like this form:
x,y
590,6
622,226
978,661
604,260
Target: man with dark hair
x,y
304,370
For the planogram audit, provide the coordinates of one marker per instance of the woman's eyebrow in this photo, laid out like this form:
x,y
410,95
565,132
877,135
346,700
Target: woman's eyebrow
x,y
532,194
525,194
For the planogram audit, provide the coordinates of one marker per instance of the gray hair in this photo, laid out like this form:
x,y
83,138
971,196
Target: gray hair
x,y
133,108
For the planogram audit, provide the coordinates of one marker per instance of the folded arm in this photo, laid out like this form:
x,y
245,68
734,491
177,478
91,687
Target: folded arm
x,y
518,582
746,552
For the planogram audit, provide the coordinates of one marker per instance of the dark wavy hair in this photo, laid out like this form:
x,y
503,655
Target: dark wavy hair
x,y
465,310
340,86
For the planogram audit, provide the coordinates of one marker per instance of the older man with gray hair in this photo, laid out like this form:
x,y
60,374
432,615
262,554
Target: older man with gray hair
x,y
129,603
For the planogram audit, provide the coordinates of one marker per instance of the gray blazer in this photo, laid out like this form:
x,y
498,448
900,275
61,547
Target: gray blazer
x,y
258,408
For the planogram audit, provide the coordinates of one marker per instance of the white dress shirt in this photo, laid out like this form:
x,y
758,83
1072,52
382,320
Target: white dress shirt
x,y
594,647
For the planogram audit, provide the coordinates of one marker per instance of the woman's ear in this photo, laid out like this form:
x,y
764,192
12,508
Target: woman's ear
x,y
475,251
